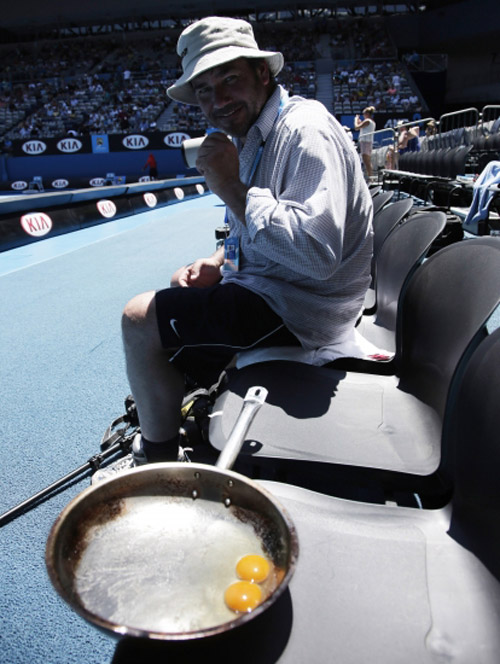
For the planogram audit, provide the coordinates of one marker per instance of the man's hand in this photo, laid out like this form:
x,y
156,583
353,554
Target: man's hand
x,y
218,162
203,273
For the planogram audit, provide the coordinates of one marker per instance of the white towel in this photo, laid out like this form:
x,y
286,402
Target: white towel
x,y
354,345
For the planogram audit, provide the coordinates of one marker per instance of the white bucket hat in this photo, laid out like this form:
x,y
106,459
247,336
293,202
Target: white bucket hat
x,y
210,43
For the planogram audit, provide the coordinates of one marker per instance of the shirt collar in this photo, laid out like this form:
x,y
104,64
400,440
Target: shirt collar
x,y
267,118
265,122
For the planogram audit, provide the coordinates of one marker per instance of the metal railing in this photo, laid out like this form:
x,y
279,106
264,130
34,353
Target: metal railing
x,y
467,117
489,114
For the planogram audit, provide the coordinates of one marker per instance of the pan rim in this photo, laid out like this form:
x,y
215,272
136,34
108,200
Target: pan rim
x,y
121,630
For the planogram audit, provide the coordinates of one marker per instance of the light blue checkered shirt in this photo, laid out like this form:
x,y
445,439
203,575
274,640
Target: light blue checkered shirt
x,y
307,244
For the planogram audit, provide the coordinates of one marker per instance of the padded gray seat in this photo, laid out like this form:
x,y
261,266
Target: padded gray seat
x,y
388,429
384,583
402,252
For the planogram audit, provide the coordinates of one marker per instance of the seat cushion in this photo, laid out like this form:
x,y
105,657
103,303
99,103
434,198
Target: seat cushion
x,y
377,583
320,414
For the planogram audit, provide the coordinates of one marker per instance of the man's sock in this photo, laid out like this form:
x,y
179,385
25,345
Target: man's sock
x,y
167,450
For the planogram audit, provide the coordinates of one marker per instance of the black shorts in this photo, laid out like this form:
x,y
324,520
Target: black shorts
x,y
205,327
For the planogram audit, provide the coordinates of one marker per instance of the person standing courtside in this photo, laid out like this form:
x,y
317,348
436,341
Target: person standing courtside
x,y
366,127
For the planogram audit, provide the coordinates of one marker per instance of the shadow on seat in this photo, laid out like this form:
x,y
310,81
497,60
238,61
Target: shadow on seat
x,y
402,252
373,429
384,583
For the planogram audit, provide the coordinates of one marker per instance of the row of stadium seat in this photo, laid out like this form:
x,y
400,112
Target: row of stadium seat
x,y
442,162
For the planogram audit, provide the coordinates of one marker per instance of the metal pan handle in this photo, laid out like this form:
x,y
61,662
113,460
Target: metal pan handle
x,y
253,400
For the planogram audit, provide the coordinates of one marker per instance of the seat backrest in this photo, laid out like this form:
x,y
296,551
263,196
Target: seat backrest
x,y
386,219
435,161
381,199
443,315
458,161
444,165
474,427
402,252
474,451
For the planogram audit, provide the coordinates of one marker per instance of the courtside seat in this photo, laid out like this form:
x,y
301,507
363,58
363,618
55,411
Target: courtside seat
x,y
411,162
443,163
381,582
454,161
427,157
380,200
383,223
384,583
402,251
387,430
402,161
432,161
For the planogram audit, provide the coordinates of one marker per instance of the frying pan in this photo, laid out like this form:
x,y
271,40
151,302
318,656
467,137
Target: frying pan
x,y
150,552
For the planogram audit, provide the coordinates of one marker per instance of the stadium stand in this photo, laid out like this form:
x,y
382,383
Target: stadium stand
x,y
100,85
114,84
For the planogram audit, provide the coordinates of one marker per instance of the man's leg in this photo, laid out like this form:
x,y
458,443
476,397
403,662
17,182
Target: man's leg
x,y
157,386
200,329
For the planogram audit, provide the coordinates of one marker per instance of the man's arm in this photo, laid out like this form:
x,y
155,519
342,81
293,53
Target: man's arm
x,y
298,219
218,162
203,273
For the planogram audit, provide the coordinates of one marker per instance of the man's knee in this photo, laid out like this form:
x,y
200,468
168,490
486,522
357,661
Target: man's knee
x,y
139,317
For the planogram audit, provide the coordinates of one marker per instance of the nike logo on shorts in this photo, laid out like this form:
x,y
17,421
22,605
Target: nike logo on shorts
x,y
173,322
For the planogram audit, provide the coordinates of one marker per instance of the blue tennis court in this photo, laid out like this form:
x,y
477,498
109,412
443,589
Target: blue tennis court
x,y
62,382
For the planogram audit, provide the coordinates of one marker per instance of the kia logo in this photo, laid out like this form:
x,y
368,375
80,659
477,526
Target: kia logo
x,y
36,224
96,182
106,208
19,184
176,139
60,184
34,147
135,142
150,199
69,145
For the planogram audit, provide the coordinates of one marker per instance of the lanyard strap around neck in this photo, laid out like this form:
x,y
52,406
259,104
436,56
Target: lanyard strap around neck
x,y
258,156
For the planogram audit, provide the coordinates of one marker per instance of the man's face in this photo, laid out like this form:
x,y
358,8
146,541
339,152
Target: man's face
x,y
232,96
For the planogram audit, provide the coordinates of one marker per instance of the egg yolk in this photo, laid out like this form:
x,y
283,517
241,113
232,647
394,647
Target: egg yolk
x,y
253,568
243,596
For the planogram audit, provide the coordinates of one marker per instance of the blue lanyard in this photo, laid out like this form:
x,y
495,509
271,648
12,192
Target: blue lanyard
x,y
256,162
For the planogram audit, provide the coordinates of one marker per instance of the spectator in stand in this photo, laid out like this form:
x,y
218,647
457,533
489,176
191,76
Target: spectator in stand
x,y
408,138
431,128
366,127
